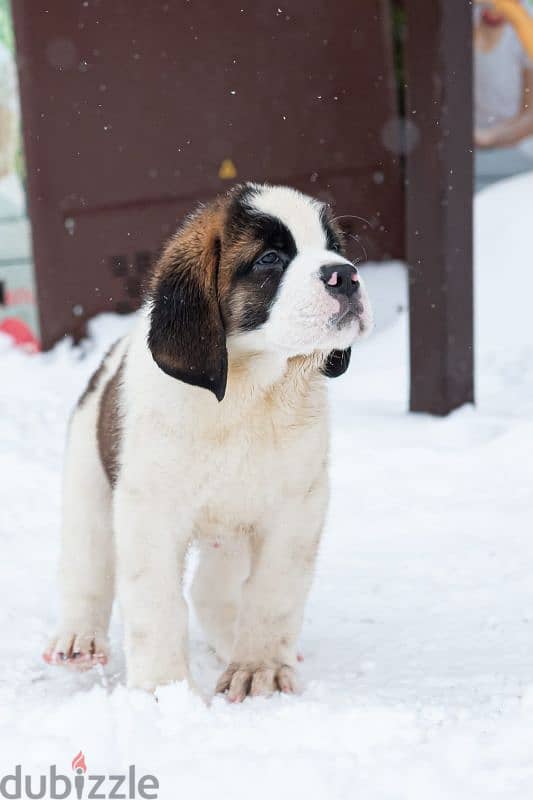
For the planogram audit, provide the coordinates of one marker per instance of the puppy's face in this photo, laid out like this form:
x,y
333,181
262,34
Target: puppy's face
x,y
292,290
261,269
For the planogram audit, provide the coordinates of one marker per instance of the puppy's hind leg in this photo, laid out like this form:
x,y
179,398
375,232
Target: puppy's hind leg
x,y
86,567
217,588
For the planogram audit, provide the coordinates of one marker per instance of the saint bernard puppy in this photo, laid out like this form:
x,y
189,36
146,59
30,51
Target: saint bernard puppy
x,y
209,423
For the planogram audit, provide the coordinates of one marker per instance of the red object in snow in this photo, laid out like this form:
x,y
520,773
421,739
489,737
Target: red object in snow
x,y
21,333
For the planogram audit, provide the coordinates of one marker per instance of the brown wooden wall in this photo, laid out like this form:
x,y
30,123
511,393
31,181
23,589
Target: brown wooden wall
x,y
131,107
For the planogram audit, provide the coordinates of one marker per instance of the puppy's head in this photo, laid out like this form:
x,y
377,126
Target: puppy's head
x,y
261,269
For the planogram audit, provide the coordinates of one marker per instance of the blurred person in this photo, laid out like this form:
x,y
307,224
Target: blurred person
x,y
503,88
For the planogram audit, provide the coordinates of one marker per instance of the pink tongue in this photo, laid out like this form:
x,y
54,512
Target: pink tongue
x,y
333,280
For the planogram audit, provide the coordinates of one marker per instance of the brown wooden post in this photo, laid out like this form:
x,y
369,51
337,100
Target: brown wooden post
x,y
439,202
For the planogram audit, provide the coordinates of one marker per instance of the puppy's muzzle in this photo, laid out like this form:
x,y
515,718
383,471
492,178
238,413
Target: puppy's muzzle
x,y
342,283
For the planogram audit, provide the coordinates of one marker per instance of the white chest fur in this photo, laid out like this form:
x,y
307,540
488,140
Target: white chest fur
x,y
231,462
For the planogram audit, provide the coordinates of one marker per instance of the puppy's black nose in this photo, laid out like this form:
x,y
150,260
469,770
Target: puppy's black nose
x,y
340,278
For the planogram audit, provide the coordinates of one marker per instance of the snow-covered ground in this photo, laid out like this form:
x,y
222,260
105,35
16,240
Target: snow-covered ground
x,y
418,639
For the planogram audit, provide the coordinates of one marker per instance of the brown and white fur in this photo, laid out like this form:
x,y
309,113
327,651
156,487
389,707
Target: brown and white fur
x,y
209,423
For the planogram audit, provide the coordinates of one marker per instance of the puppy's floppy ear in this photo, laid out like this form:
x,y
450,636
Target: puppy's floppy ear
x,y
187,337
336,363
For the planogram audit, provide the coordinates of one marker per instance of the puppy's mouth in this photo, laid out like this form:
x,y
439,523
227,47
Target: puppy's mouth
x,y
351,310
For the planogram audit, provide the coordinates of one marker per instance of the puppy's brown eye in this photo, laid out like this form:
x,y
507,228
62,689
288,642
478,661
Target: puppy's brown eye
x,y
270,259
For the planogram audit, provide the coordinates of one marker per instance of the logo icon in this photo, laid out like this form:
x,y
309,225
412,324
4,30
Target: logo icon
x,y
80,768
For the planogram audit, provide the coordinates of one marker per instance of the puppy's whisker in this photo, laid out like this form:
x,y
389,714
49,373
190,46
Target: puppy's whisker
x,y
351,216
361,245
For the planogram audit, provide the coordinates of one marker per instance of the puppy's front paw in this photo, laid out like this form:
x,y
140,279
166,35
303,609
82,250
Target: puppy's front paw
x,y
240,680
79,651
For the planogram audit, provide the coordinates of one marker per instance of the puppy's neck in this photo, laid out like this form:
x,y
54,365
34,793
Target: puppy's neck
x,y
257,378
256,373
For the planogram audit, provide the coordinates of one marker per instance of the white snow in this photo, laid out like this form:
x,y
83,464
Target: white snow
x,y
418,639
